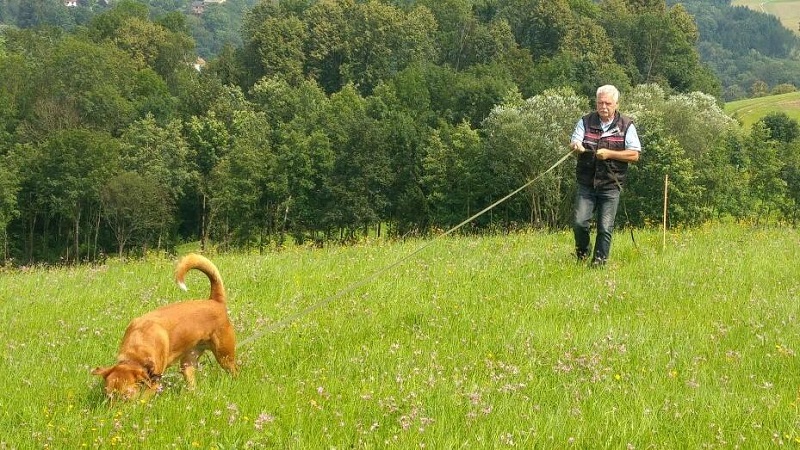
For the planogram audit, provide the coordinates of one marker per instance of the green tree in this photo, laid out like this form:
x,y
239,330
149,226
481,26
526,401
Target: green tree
x,y
136,207
541,26
663,156
9,210
84,84
297,118
250,189
780,127
790,174
160,152
360,174
657,45
721,172
165,46
364,43
523,138
277,44
767,187
63,182
209,142
454,183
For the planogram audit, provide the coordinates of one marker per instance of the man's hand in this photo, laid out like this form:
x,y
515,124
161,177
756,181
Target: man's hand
x,y
576,147
603,153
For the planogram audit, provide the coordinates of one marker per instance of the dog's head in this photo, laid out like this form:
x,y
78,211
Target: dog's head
x,y
125,380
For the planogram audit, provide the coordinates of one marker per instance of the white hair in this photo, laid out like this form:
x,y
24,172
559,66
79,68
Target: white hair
x,y
609,89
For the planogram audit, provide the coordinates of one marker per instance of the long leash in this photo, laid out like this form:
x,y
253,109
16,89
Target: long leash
x,y
367,279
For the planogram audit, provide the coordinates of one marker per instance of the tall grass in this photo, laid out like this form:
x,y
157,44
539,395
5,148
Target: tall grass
x,y
487,342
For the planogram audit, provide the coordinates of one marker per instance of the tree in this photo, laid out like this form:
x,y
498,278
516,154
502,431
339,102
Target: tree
x,y
134,206
277,44
9,188
360,174
541,26
164,46
160,152
768,188
454,179
249,188
64,179
523,138
209,141
780,127
790,174
657,45
697,121
663,156
682,136
364,43
297,117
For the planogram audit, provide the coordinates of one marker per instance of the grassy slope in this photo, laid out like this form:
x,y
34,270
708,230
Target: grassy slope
x,y
471,343
748,111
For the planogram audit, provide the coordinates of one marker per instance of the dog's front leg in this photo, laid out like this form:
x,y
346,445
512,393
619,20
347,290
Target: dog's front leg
x,y
189,366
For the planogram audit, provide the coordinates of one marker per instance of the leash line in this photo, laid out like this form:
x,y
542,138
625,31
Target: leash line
x,y
365,280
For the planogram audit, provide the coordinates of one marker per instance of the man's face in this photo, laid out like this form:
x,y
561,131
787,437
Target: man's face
x,y
606,106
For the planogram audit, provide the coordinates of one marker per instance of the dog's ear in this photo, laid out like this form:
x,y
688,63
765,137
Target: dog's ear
x,y
150,367
102,371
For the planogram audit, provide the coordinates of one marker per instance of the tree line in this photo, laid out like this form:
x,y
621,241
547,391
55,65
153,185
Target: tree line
x,y
336,118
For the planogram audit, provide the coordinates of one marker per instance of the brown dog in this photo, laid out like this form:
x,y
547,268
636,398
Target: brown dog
x,y
182,330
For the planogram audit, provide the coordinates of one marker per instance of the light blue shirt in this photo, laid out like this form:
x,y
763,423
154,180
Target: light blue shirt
x,y
631,137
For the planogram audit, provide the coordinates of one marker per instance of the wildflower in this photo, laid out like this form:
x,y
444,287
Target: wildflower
x,y
262,419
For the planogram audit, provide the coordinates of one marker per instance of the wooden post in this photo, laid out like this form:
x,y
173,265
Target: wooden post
x,y
666,188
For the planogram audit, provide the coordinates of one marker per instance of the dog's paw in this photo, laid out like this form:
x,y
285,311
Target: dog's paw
x,y
182,285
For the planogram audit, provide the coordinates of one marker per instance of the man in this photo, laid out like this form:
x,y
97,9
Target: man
x,y
604,142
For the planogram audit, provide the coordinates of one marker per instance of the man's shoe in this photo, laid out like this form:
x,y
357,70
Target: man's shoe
x,y
597,262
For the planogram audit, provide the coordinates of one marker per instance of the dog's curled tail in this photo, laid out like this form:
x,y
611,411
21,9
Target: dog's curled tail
x,y
201,263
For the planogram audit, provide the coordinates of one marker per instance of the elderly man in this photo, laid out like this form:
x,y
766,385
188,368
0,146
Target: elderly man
x,y
604,142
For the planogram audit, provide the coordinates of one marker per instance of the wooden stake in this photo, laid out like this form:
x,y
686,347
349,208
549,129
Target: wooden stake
x,y
666,188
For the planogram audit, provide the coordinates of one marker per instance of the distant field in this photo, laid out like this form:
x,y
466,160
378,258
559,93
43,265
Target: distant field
x,y
750,110
788,11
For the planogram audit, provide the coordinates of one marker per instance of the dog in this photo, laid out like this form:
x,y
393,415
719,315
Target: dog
x,y
184,330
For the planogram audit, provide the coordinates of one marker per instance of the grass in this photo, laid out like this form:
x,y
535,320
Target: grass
x,y
750,110
489,342
787,11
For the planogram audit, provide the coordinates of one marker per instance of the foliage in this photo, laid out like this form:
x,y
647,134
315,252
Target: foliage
x,y
744,46
522,140
136,207
780,127
332,120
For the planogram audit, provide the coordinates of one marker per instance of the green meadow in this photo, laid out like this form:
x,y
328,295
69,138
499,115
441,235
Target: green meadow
x,y
750,110
687,340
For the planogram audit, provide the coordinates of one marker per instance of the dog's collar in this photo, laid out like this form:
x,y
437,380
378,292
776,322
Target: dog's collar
x,y
152,377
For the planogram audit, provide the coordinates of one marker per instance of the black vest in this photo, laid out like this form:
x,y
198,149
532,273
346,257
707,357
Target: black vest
x,y
605,174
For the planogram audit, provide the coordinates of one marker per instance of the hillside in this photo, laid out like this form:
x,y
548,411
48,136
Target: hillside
x,y
748,111
787,11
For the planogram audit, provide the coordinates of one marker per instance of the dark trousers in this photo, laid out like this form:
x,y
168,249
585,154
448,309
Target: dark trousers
x,y
600,204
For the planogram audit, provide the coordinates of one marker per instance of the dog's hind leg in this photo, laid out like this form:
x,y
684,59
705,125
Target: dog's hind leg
x,y
224,349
